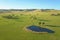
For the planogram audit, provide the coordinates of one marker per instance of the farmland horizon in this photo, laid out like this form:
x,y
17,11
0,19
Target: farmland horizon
x,y
26,9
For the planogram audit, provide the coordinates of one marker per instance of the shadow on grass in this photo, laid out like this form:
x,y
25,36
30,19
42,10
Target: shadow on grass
x,y
44,20
52,25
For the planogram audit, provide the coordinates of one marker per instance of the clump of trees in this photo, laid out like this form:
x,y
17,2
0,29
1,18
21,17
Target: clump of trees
x,y
11,16
41,23
46,10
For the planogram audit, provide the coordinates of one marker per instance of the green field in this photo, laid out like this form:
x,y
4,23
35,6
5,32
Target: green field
x,y
13,28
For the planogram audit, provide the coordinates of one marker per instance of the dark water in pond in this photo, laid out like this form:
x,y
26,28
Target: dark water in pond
x,y
39,29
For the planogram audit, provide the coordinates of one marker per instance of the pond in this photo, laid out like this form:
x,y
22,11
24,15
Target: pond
x,y
39,29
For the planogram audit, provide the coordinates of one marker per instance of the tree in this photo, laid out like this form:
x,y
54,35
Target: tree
x,y
41,23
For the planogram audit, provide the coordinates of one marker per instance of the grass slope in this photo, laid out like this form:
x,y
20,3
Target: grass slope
x,y
13,29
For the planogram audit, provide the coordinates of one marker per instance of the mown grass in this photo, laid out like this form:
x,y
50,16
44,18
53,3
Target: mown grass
x,y
13,29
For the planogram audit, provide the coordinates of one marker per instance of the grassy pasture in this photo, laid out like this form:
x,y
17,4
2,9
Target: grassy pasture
x,y
13,29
